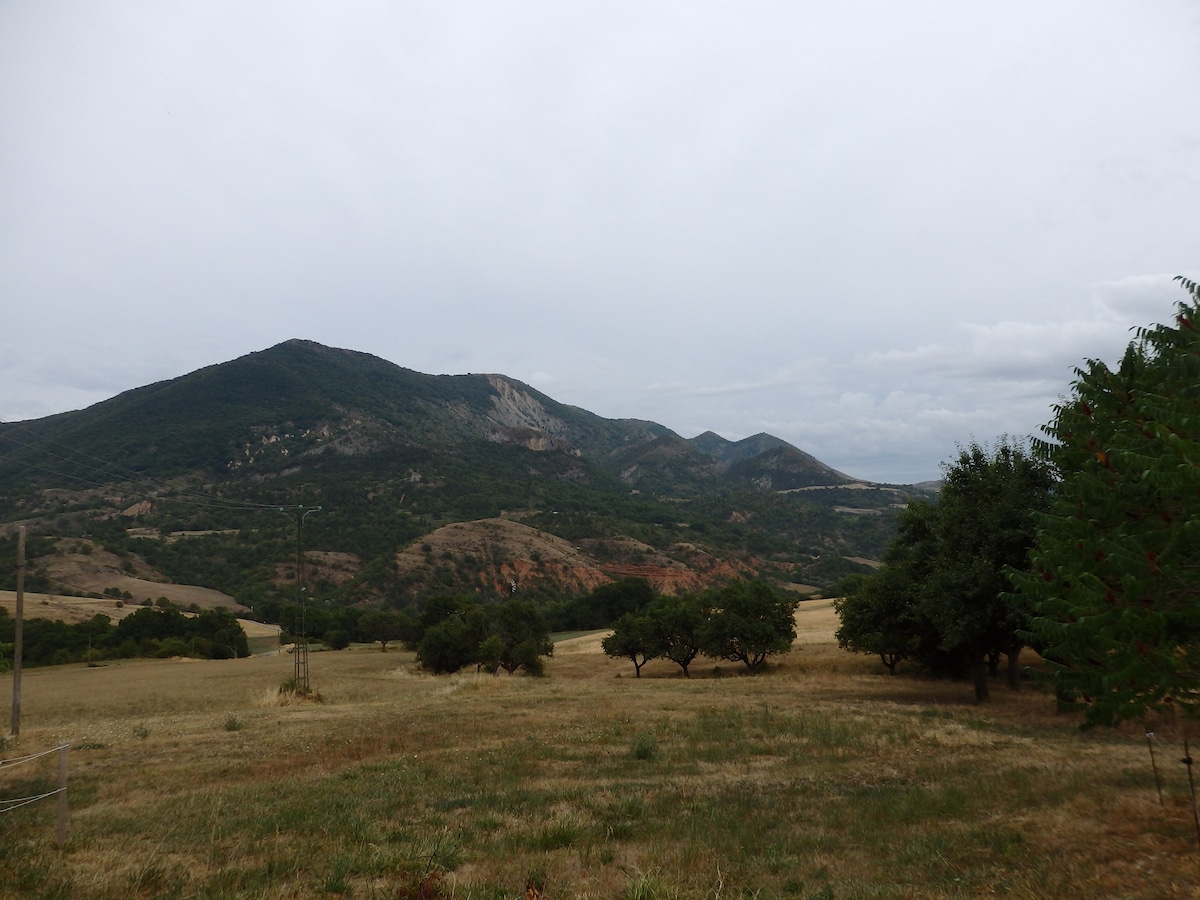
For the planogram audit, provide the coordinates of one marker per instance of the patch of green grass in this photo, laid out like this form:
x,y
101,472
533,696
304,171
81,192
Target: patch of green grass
x,y
159,880
337,882
649,886
644,746
554,836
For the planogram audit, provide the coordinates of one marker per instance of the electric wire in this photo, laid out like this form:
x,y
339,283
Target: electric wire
x,y
17,760
17,803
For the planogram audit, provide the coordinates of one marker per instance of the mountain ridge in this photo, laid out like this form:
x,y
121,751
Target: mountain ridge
x,y
391,455
274,392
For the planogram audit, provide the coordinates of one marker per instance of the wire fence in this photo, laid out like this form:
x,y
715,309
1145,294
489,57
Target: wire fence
x,y
9,804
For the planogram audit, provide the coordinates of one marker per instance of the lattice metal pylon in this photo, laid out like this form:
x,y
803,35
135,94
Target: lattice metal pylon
x,y
300,649
300,652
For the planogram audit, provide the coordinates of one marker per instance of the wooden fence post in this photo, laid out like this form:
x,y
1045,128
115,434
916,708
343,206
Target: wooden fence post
x,y
62,796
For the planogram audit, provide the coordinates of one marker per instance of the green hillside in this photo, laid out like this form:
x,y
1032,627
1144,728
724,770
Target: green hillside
x,y
390,455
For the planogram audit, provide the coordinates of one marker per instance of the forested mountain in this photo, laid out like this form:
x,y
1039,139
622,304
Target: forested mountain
x,y
188,476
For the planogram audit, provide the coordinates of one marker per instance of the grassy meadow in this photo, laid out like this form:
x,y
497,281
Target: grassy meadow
x,y
821,778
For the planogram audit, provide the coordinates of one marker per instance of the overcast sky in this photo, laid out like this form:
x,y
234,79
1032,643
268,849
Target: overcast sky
x,y
874,229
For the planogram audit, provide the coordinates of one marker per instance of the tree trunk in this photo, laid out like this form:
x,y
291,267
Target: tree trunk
x,y
993,662
980,667
1014,667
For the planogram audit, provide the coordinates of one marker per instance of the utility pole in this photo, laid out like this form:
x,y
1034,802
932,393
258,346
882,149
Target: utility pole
x,y
300,652
18,633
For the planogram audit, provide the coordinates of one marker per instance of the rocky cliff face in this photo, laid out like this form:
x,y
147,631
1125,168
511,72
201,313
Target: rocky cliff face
x,y
520,418
514,408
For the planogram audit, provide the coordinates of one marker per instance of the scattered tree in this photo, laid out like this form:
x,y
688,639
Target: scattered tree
x,y
634,639
487,657
454,640
749,622
676,622
878,614
383,626
524,638
447,647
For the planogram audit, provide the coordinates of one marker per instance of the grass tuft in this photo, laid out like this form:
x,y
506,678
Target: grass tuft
x,y
644,746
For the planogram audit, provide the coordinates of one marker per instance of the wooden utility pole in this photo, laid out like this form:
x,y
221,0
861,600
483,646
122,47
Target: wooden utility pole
x,y
18,633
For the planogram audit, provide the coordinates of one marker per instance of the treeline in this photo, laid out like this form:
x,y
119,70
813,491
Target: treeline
x,y
148,632
1086,546
35,546
744,621
337,626
447,632
454,635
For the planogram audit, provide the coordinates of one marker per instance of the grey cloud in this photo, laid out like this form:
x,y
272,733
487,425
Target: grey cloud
x,y
873,230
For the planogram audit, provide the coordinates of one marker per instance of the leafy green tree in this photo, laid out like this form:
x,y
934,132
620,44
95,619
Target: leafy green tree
x,y
634,639
383,626
448,646
525,640
881,614
985,525
749,622
336,639
222,628
676,622
942,595
608,602
172,646
878,615
487,656
454,641
1115,579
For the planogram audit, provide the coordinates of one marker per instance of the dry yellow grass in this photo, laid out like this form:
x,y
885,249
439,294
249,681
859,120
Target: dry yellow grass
x,y
67,609
80,566
823,777
79,609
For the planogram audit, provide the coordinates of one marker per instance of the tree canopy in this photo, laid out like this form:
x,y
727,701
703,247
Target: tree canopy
x,y
633,638
454,633
1116,571
743,621
748,623
942,596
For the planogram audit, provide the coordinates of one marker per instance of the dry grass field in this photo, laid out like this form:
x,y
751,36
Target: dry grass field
x,y
85,567
821,778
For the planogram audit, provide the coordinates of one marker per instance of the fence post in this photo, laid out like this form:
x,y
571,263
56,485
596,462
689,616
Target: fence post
x,y
62,796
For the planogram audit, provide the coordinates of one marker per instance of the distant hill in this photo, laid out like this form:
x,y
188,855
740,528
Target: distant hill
x,y
392,455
